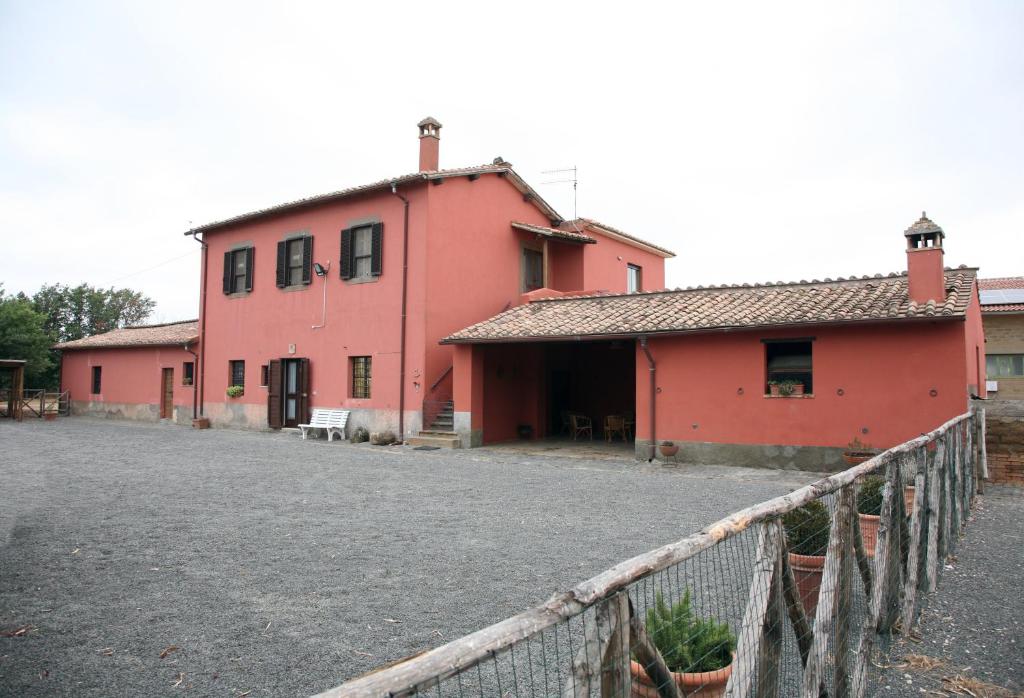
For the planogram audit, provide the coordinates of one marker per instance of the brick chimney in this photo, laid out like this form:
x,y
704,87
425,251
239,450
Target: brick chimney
x,y
925,276
430,144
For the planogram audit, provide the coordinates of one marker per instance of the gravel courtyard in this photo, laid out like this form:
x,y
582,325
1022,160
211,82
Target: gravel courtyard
x,y
157,560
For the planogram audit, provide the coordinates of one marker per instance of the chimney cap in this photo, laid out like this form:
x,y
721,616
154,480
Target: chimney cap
x,y
923,226
429,127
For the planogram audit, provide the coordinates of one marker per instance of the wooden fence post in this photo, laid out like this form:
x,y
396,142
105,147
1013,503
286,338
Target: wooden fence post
x,y
981,441
934,511
650,658
914,559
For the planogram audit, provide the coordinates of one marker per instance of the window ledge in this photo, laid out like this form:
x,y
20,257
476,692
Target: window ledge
x,y
788,397
362,279
295,287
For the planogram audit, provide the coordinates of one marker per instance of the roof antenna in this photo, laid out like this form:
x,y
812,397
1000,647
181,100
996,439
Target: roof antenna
x,y
574,181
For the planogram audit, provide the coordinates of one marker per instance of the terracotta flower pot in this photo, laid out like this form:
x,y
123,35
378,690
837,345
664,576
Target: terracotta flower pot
x,y
798,389
808,570
857,457
869,532
201,423
704,684
773,390
668,451
50,416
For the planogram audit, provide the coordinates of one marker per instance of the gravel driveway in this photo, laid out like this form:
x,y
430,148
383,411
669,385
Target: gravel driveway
x,y
263,563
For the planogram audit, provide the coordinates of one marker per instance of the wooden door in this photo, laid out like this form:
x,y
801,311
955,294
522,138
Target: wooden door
x,y
167,393
275,416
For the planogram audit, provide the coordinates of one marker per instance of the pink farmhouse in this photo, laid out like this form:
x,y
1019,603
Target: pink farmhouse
x,y
457,305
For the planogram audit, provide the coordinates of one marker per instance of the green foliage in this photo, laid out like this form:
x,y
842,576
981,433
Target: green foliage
x,y
788,386
869,498
858,446
81,311
807,528
687,642
23,336
235,391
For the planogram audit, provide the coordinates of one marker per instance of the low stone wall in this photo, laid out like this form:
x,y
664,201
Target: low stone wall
x,y
1004,442
812,458
140,412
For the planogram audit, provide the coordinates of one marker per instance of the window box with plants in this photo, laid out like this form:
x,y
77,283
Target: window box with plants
x,y
858,452
807,531
786,388
235,391
698,651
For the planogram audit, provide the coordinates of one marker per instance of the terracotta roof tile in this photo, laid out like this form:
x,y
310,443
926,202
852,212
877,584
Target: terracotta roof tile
x,y
580,224
167,334
500,168
553,232
723,307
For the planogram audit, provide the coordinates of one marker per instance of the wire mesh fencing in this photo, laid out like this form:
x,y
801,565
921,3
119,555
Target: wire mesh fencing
x,y
787,597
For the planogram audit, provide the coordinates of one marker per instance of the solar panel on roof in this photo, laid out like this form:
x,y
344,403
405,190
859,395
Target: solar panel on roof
x,y
1002,296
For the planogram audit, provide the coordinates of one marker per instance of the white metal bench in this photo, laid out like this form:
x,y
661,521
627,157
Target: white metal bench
x,y
331,421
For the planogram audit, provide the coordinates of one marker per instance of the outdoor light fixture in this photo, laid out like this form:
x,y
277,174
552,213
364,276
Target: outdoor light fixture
x,y
319,269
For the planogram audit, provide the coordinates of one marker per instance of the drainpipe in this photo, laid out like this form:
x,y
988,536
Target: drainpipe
x,y
195,389
202,328
405,295
651,368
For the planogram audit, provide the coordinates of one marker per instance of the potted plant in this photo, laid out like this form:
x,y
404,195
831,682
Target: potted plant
x,y
857,452
698,651
807,537
790,387
234,391
773,388
869,509
668,449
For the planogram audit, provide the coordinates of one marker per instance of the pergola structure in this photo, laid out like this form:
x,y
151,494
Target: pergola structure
x,y
15,368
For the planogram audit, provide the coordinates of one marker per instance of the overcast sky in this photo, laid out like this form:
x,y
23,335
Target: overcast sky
x,y
769,141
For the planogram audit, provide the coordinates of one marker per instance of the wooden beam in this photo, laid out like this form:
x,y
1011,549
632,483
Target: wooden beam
x,y
914,559
931,568
650,658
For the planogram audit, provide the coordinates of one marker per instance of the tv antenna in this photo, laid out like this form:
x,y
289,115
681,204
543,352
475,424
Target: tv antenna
x,y
574,181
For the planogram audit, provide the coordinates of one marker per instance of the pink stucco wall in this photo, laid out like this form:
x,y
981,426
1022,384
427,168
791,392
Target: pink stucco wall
x,y
604,265
130,377
712,386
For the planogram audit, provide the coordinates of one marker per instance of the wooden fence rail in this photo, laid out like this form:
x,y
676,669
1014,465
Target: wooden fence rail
x,y
830,645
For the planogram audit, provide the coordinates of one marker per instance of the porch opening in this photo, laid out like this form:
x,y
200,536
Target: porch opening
x,y
571,392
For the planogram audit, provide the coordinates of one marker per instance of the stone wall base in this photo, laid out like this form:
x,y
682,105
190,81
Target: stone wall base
x,y
139,412
811,458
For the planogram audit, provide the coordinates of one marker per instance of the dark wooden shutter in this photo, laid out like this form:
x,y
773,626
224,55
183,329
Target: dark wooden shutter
x,y
282,264
275,413
228,271
307,261
346,254
377,243
303,411
249,252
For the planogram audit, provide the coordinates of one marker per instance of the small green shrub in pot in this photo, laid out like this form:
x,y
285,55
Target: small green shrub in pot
x,y
235,391
807,528
869,498
687,642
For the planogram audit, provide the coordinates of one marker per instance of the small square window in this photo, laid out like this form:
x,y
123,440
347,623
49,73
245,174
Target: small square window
x,y
236,370
97,379
187,373
634,278
361,369
789,365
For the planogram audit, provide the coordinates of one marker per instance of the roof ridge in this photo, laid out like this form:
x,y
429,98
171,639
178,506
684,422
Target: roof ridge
x,y
158,324
803,283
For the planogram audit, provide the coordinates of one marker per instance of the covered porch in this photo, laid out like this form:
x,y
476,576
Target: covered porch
x,y
553,395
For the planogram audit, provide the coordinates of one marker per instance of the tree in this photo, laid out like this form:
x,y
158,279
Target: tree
x,y
23,335
80,311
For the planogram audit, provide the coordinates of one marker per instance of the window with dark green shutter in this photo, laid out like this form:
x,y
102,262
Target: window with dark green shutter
x,y
295,261
362,251
238,270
